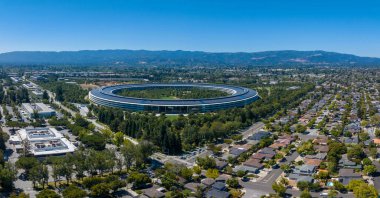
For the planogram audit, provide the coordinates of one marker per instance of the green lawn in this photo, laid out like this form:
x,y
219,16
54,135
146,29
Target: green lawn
x,y
169,98
172,117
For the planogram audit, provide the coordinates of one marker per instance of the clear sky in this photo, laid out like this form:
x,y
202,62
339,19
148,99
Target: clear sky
x,y
206,25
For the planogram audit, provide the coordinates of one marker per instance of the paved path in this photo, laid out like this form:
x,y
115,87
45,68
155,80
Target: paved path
x,y
376,178
252,129
93,121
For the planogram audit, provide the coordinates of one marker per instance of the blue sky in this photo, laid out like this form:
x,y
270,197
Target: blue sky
x,y
206,25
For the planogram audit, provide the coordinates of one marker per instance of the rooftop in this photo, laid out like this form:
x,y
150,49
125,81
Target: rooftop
x,y
39,107
45,141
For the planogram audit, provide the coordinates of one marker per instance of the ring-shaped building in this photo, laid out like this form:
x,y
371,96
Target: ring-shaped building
x,y
238,97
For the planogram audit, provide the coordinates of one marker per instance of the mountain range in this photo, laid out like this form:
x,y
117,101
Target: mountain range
x,y
184,58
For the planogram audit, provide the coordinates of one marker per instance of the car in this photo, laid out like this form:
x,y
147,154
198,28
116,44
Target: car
x,y
245,179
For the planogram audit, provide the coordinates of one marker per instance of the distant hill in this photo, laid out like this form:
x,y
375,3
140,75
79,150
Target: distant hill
x,y
183,58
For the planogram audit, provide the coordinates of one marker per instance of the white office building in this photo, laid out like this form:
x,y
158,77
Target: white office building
x,y
42,142
41,109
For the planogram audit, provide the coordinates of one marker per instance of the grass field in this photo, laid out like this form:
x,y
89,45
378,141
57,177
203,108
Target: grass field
x,y
169,98
172,117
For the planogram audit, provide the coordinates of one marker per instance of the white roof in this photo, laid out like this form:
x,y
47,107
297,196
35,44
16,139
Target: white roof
x,y
39,107
14,138
70,148
48,138
51,133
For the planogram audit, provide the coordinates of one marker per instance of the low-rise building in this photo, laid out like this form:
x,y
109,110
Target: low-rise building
x,y
346,175
38,109
344,162
304,170
42,142
30,86
38,93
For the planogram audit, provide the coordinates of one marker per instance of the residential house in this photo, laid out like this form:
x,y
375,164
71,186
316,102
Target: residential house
x,y
344,162
219,186
255,163
346,175
220,164
259,135
153,193
295,178
321,148
213,193
208,182
304,170
262,156
193,187
245,169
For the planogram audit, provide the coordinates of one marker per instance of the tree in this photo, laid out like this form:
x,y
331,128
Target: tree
x,y
303,185
2,140
356,153
56,172
80,165
143,150
45,95
199,193
8,174
233,183
279,189
95,141
73,192
285,167
323,175
373,152
305,194
284,181
339,186
306,148
26,163
107,134
59,93
366,161
362,189
138,179
187,173
118,139
241,173
39,174
300,128
377,133
212,173
197,170
129,153
21,195
235,193
46,193
332,194
369,169
206,162
100,190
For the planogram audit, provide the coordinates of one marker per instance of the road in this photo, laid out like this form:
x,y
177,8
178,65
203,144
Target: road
x,y
98,126
376,177
252,129
264,186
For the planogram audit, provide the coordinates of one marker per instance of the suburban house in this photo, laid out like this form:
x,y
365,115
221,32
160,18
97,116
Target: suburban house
x,y
346,175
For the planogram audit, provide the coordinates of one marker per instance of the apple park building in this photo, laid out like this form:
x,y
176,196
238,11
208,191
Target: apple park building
x,y
237,97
